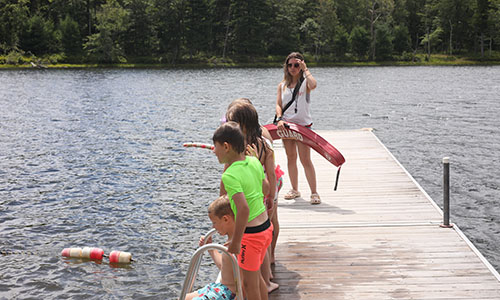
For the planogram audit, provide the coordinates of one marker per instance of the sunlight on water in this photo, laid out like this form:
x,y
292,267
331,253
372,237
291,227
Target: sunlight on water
x,y
95,158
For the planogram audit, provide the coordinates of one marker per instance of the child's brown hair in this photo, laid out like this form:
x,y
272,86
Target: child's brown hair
x,y
244,113
230,132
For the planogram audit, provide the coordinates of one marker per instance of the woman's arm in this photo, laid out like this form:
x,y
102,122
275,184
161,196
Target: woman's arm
x,y
311,82
279,109
266,134
271,177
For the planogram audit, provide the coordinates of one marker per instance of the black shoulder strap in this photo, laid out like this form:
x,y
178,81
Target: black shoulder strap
x,y
295,91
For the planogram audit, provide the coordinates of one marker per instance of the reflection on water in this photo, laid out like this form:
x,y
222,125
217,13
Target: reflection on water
x,y
94,158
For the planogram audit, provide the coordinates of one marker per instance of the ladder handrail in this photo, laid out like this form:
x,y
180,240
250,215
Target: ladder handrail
x,y
194,266
198,262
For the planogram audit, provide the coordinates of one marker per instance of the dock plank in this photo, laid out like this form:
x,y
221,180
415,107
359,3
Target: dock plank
x,y
376,237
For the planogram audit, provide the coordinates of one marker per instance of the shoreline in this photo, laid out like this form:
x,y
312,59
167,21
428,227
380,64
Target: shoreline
x,y
436,60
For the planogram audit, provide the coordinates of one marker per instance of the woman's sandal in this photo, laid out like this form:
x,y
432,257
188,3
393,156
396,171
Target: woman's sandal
x,y
292,194
315,199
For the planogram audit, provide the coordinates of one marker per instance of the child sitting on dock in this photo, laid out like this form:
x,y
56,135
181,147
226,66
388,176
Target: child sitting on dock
x,y
222,217
243,181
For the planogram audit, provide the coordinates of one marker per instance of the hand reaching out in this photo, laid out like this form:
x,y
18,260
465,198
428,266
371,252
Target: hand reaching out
x,y
202,241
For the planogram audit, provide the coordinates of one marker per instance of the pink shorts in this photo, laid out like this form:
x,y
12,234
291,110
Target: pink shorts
x,y
254,247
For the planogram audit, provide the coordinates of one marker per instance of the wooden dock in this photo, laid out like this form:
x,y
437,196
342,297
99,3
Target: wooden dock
x,y
376,237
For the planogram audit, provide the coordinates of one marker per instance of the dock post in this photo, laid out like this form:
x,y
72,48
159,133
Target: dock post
x,y
446,193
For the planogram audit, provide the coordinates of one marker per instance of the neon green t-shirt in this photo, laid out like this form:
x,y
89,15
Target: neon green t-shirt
x,y
246,177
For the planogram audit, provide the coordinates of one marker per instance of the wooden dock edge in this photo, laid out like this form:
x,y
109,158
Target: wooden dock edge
x,y
455,226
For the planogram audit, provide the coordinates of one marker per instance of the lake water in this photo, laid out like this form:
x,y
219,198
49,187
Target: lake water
x,y
95,158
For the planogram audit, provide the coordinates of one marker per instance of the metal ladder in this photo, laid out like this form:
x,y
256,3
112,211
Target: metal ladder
x,y
195,263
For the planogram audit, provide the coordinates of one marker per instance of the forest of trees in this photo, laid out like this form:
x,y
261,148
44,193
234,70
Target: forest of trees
x,y
177,31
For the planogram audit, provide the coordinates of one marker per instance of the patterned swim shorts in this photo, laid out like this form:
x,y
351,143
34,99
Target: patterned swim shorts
x,y
215,291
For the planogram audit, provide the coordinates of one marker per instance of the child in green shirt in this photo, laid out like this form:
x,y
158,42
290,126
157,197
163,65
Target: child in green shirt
x,y
243,180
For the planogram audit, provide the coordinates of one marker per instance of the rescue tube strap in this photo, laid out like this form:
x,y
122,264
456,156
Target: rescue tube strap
x,y
337,179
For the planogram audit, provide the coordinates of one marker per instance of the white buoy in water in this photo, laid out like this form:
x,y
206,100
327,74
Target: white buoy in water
x,y
120,257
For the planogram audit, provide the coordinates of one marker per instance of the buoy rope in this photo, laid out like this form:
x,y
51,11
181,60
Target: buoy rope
x,y
16,252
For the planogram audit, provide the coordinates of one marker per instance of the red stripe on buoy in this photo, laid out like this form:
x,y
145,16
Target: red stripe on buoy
x,y
96,253
65,252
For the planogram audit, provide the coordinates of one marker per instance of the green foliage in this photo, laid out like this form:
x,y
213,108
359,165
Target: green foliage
x,y
402,41
216,31
435,37
453,19
328,22
140,35
54,58
14,58
249,22
170,14
408,56
360,42
40,36
415,22
13,16
312,35
198,30
284,32
341,43
70,36
106,46
384,42
494,21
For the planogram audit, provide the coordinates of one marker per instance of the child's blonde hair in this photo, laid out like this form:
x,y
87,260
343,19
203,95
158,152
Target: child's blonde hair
x,y
221,207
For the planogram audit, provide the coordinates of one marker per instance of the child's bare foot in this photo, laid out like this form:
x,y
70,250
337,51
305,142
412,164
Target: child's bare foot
x,y
272,287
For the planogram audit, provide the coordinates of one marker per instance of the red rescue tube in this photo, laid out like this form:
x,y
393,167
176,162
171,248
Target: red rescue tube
x,y
310,138
120,257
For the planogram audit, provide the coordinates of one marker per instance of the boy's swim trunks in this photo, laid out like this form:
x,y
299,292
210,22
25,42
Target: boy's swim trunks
x,y
215,291
254,245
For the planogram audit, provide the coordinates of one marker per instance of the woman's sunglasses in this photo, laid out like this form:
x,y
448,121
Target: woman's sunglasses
x,y
296,65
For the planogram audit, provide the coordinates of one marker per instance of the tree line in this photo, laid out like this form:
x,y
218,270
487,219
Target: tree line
x,y
176,31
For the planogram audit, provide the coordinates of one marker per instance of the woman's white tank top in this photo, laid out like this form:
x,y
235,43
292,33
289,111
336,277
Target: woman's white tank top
x,y
302,115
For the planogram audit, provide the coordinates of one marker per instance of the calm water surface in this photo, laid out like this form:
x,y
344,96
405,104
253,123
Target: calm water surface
x,y
94,158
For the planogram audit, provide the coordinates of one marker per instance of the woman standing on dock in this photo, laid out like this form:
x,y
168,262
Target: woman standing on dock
x,y
296,88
